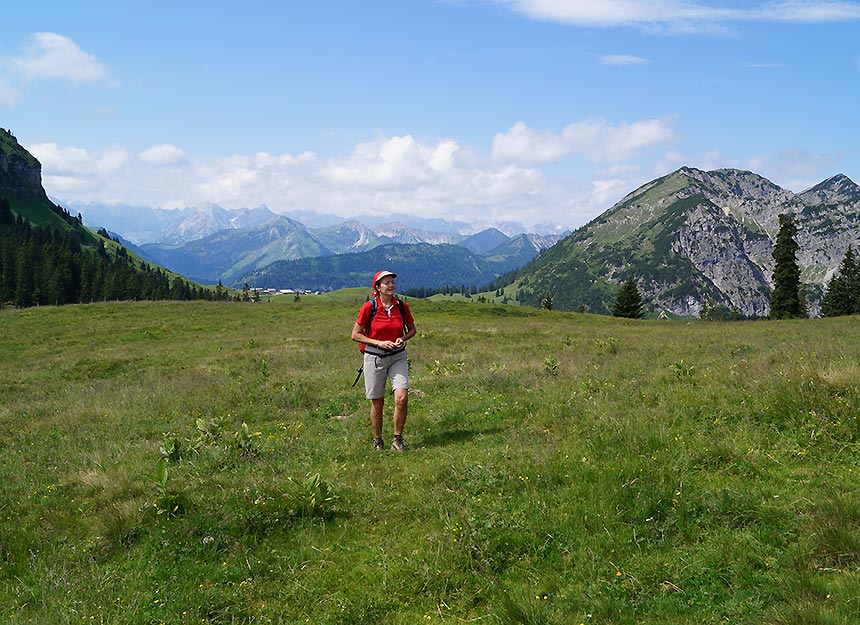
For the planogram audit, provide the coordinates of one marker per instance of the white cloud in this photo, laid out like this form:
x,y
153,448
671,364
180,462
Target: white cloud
x,y
436,178
621,59
679,14
395,162
518,181
49,56
595,140
77,160
384,175
73,170
523,145
162,155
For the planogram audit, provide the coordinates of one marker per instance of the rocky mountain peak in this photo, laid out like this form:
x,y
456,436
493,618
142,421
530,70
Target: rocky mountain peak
x,y
837,189
697,239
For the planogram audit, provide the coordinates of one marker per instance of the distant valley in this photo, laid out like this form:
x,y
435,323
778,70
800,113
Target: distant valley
x,y
267,250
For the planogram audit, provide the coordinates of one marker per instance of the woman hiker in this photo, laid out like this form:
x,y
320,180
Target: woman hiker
x,y
383,326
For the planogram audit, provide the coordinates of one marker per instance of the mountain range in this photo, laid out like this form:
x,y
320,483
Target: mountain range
x,y
697,239
692,240
209,243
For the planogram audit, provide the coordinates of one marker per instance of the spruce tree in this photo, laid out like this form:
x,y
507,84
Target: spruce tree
x,y
843,290
786,301
546,302
629,301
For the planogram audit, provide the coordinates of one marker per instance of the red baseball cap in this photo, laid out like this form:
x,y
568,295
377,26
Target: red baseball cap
x,y
381,274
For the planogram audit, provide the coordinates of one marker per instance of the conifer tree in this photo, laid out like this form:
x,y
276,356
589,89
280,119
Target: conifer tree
x,y
629,301
786,301
546,302
843,290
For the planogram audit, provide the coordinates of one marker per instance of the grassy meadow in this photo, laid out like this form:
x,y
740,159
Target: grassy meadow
x,y
210,463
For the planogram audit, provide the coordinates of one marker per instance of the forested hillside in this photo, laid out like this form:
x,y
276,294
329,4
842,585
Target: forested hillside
x,y
40,266
47,256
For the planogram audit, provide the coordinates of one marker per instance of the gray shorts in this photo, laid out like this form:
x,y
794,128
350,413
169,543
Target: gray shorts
x,y
377,369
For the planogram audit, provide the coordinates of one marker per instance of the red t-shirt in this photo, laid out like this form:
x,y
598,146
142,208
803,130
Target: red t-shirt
x,y
386,325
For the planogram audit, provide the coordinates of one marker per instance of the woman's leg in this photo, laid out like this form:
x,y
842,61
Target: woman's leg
x,y
376,416
401,406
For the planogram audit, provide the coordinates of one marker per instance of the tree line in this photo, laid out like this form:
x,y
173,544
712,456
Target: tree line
x,y
40,266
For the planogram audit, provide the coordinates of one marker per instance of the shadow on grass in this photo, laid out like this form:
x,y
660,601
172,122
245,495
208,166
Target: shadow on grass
x,y
448,437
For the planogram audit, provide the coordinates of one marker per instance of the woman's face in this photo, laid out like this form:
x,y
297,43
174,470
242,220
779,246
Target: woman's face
x,y
386,285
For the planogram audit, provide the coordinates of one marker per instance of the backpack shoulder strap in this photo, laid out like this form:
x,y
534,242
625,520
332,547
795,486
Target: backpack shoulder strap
x,y
374,306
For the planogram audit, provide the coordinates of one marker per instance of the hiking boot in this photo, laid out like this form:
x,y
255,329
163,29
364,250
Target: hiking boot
x,y
378,444
397,443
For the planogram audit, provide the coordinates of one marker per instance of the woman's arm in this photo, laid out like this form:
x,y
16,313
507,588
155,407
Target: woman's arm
x,y
410,332
359,337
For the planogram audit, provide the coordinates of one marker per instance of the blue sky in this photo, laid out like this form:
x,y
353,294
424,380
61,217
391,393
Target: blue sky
x,y
537,111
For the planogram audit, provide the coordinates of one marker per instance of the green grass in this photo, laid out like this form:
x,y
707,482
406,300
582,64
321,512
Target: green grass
x,y
210,463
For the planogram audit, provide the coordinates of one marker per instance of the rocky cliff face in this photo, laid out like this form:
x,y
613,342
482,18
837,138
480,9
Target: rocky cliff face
x,y
736,256
695,239
20,172
716,245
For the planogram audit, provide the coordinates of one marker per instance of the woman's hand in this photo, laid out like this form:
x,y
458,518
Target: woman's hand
x,y
388,345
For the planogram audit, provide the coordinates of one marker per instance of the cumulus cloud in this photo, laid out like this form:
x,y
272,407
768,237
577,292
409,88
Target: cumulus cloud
x,y
384,163
519,179
515,181
680,14
73,160
162,155
595,140
437,178
75,170
49,56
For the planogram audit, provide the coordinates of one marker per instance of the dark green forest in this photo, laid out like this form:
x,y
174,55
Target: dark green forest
x,y
42,266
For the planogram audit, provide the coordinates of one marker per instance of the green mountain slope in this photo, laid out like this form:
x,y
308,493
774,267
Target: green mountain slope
x,y
695,239
231,252
419,265
21,186
48,257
